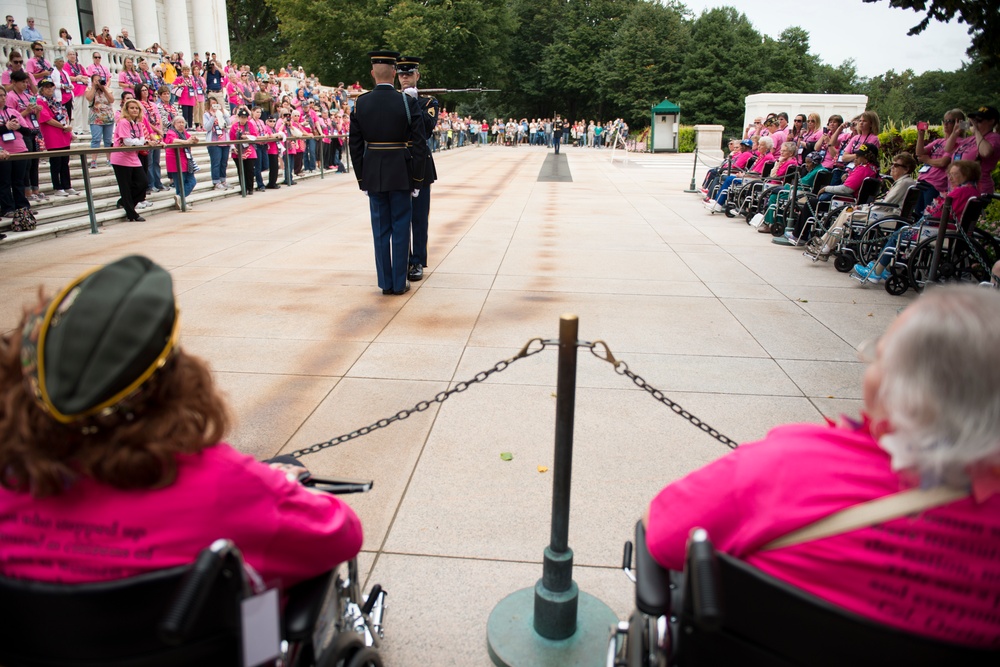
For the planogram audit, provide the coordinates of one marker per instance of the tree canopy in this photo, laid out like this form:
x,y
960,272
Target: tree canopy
x,y
597,59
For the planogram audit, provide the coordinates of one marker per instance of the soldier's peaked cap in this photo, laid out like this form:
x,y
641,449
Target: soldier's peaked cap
x,y
408,64
383,57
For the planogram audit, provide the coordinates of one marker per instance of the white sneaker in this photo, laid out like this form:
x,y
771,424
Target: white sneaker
x,y
73,192
220,186
60,193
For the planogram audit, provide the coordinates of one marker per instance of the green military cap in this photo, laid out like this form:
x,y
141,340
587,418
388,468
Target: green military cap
x,y
98,341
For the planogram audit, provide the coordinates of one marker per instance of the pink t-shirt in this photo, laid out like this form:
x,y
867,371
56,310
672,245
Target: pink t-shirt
x,y
55,138
858,175
35,65
960,196
128,80
94,532
126,129
184,88
936,176
968,149
15,145
239,131
5,78
742,159
937,574
76,69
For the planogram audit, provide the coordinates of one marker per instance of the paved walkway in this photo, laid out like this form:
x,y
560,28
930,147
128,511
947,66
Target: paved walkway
x,y
278,292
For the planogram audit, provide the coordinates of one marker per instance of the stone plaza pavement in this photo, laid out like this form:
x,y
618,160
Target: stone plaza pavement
x,y
278,292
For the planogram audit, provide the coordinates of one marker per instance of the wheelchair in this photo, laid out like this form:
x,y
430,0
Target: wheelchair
x,y
722,611
860,241
962,257
750,203
741,194
823,213
193,615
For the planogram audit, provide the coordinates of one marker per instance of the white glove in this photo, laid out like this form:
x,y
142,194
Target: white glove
x,y
415,193
412,92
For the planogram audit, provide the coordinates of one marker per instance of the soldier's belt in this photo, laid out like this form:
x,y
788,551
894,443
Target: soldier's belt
x,y
387,145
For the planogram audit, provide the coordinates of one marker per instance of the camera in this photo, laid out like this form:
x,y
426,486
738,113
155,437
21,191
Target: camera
x,y
103,81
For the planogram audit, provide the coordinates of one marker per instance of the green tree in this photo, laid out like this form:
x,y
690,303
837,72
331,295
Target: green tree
x,y
644,63
254,35
841,80
890,95
719,69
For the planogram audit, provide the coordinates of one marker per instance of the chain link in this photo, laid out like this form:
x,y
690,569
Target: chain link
x,y
441,397
622,369
979,258
595,348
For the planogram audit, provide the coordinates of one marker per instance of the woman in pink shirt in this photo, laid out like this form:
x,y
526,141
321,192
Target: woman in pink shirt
x,y
57,131
15,63
129,77
180,162
199,93
152,491
935,158
244,155
185,91
931,420
37,65
131,178
13,173
76,73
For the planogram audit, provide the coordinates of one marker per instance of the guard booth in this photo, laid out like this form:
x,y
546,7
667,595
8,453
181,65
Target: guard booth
x,y
665,127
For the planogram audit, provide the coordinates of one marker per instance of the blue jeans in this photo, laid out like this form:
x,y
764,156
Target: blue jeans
x,y
101,131
217,154
189,182
310,157
261,167
155,180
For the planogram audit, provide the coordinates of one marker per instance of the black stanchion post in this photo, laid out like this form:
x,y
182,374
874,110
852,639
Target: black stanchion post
x,y
939,241
88,193
554,623
322,156
694,167
288,162
241,165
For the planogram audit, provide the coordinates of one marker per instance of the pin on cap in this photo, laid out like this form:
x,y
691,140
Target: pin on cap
x,y
407,64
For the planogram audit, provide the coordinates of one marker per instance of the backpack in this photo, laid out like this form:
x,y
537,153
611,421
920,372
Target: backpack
x,y
23,220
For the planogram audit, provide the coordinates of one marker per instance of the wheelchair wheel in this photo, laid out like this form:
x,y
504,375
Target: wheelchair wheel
x,y
366,657
870,243
730,212
897,284
777,229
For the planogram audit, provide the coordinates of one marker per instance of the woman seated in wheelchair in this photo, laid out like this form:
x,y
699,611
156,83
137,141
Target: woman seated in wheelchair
x,y
811,167
931,421
903,165
764,157
111,449
963,179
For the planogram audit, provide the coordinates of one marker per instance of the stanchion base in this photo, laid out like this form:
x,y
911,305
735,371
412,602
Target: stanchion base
x,y
513,642
781,240
692,191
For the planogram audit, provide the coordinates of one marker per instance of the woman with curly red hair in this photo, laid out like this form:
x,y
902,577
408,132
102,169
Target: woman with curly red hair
x,y
111,460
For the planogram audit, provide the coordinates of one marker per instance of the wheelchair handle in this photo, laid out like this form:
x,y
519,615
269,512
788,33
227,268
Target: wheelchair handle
x,y
704,567
627,556
195,587
336,486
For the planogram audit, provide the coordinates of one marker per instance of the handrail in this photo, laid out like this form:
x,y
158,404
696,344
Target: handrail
x,y
83,153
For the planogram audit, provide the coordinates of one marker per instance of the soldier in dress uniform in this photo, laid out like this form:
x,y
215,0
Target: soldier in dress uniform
x,y
389,154
409,75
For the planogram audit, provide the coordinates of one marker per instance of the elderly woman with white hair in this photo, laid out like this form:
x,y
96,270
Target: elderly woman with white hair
x,y
895,517
765,156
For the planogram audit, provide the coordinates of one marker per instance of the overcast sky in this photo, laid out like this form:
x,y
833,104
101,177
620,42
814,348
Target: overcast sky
x,y
873,34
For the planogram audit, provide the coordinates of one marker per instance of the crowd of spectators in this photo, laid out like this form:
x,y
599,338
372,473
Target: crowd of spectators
x,y
455,131
957,165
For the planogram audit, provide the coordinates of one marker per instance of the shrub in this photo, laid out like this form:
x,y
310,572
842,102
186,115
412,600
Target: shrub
x,y
685,139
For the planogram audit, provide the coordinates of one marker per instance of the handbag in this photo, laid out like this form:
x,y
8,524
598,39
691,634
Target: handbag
x,y
23,220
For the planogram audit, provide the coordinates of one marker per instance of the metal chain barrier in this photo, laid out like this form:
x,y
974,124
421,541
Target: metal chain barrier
x,y
527,351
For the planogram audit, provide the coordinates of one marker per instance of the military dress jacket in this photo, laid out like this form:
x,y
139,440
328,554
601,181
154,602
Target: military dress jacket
x,y
388,149
429,108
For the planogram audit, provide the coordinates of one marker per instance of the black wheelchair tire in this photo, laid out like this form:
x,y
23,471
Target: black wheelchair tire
x,y
730,213
366,657
637,641
843,264
341,650
777,229
897,284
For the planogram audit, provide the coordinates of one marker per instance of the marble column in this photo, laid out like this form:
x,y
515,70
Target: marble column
x,y
222,31
178,33
63,14
204,26
106,13
146,24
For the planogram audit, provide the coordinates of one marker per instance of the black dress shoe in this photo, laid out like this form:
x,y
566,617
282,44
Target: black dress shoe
x,y
387,291
274,187
138,218
406,288
416,272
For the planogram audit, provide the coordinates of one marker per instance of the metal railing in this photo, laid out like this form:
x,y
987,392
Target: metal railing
x,y
86,153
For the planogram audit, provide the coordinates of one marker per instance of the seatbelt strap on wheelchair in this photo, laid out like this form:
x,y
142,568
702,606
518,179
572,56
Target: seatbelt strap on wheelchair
x,y
870,513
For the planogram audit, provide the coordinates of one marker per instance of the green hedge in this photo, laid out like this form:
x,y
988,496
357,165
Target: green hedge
x,y
685,140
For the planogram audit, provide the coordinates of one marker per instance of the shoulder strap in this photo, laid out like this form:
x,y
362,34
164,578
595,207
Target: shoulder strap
x,y
870,513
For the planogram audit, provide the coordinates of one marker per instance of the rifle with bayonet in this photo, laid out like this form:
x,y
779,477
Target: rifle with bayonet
x,y
441,91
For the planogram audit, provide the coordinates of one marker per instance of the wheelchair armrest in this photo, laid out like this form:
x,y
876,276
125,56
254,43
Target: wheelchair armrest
x,y
652,580
337,486
703,575
194,588
305,603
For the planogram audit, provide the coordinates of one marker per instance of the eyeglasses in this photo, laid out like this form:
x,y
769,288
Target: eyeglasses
x,y
948,121
16,62
38,49
901,166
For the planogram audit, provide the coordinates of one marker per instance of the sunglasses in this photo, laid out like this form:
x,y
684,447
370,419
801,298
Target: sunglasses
x,y
16,62
901,166
38,49
97,57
